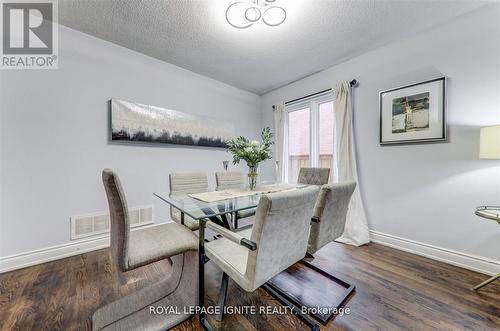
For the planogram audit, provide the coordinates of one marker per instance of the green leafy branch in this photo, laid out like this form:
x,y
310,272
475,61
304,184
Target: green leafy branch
x,y
253,152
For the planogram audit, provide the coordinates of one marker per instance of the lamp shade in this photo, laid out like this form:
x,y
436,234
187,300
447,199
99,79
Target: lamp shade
x,y
490,142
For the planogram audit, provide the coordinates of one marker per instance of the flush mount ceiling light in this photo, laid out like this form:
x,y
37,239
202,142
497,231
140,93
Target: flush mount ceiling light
x,y
243,14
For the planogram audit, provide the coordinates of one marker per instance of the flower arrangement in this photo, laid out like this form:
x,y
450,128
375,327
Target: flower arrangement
x,y
252,152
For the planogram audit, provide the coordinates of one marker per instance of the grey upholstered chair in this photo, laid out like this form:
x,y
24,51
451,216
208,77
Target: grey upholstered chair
x,y
187,183
133,249
314,176
329,216
229,180
233,180
277,240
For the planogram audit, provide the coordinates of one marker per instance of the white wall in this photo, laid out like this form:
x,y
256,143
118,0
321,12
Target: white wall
x,y
55,128
426,193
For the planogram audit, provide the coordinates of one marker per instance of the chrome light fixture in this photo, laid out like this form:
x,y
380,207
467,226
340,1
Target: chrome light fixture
x,y
243,14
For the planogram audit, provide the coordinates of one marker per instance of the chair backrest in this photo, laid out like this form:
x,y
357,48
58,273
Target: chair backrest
x,y
188,183
314,176
331,209
280,230
120,225
229,179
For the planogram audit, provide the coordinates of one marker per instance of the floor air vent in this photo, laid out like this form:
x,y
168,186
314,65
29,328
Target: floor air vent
x,y
83,226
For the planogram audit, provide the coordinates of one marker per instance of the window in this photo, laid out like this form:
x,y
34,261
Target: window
x,y
309,137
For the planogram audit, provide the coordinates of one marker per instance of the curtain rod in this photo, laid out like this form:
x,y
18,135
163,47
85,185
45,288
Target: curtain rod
x,y
353,83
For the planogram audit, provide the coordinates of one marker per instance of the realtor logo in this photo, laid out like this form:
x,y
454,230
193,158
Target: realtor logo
x,y
29,34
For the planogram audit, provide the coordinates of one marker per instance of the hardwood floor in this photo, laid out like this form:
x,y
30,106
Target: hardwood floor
x,y
395,290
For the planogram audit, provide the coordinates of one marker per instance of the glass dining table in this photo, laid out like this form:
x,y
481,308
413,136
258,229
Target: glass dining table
x,y
223,212
203,211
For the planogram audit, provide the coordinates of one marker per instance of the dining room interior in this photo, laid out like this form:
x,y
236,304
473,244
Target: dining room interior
x,y
250,165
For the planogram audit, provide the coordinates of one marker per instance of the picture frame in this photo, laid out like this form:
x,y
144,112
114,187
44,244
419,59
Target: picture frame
x,y
414,113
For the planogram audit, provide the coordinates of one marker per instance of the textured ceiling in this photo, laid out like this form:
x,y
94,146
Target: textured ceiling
x,y
317,34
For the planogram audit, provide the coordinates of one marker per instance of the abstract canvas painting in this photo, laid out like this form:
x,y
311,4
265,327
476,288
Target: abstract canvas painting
x,y
134,122
413,113
410,113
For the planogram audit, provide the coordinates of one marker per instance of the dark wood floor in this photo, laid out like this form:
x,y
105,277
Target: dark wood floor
x,y
394,291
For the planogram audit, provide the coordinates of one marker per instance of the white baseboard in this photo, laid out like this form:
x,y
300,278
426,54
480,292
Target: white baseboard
x,y
467,261
26,259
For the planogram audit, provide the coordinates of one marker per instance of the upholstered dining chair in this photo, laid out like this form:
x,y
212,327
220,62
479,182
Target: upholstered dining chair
x,y
132,249
277,240
228,180
233,180
314,176
187,183
327,224
329,216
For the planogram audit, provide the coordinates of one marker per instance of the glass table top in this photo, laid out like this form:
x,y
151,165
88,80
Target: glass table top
x,y
198,209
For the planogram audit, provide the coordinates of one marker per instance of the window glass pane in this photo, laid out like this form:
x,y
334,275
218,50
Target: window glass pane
x,y
326,137
298,142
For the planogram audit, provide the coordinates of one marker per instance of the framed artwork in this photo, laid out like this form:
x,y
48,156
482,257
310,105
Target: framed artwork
x,y
137,123
414,113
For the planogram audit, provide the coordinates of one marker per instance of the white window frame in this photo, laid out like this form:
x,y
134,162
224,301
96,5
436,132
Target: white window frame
x,y
313,104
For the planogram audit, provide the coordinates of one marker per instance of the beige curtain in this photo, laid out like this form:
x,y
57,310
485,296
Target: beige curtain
x,y
279,139
356,230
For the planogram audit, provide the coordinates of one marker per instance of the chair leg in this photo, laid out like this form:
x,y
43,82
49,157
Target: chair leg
x,y
296,310
284,296
175,290
222,296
